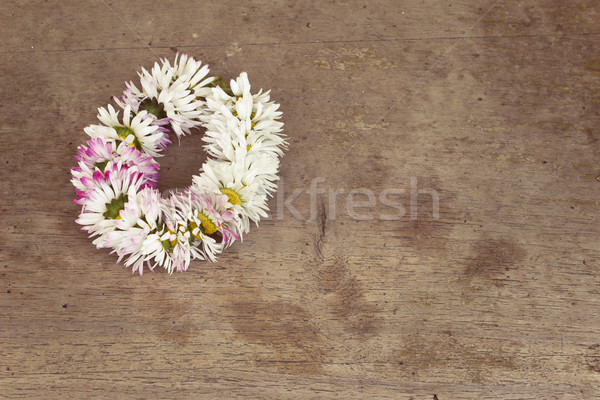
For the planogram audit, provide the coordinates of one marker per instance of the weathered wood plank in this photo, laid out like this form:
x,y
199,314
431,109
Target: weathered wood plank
x,y
490,108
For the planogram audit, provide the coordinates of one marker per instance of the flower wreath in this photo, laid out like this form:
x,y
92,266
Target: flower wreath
x,y
116,174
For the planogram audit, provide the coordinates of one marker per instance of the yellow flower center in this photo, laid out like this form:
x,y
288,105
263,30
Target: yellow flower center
x,y
207,224
193,227
173,242
123,132
234,198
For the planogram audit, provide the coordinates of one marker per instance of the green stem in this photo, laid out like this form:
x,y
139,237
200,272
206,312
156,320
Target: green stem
x,y
222,85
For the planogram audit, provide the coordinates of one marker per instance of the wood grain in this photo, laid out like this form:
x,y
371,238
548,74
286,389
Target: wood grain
x,y
490,107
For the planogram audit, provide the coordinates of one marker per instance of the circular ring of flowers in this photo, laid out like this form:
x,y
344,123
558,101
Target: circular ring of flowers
x,y
116,176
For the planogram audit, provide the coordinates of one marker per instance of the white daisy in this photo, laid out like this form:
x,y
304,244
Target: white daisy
x,y
223,137
140,217
138,132
242,120
106,200
193,73
175,94
97,154
156,250
192,223
176,239
246,194
218,210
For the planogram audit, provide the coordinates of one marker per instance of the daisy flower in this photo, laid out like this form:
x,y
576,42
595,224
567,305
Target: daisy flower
x,y
107,198
216,206
192,72
244,192
139,224
176,239
193,224
98,153
242,120
138,132
88,173
172,90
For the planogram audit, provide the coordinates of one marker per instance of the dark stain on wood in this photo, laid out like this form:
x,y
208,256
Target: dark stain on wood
x,y
443,351
346,300
493,258
427,228
295,343
343,293
369,172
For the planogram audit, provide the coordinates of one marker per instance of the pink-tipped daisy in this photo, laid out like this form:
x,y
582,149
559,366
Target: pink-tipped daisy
x,y
107,198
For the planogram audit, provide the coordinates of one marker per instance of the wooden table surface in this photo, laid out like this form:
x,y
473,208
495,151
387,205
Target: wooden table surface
x,y
435,232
